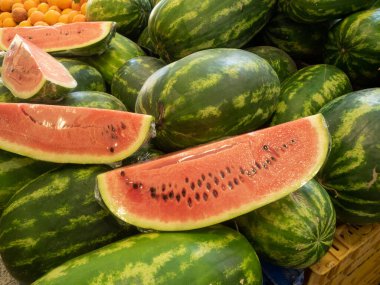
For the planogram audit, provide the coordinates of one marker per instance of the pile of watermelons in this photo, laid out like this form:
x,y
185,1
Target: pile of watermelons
x,y
264,136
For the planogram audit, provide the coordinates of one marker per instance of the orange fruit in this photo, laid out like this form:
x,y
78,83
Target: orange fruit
x,y
19,14
25,23
43,7
83,8
71,15
9,22
17,5
36,16
54,7
64,4
51,17
64,18
31,10
29,4
6,5
79,18
5,15
75,6
40,23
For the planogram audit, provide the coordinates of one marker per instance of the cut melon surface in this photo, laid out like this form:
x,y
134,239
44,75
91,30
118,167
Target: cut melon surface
x,y
218,181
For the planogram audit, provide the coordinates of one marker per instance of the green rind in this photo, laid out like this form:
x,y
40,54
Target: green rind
x,y
281,62
130,77
145,42
87,76
131,16
6,95
16,171
308,90
209,95
300,41
92,99
354,47
295,231
121,49
216,255
306,11
177,31
53,219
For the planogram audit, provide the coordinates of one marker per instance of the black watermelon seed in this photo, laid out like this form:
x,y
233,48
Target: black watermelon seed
x,y
170,185
273,158
183,192
205,196
187,179
208,186
258,165
189,202
222,174
230,185
216,180
192,185
293,141
135,186
236,181
215,193
165,197
228,169
197,196
265,165
178,197
171,194
209,174
152,191
123,126
122,173
242,170
163,187
203,177
111,149
199,183
265,147
285,146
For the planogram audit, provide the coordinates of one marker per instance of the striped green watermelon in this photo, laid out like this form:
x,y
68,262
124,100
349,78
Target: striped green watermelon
x,y
130,77
145,42
87,76
376,4
179,28
353,45
300,41
281,62
295,231
306,11
351,172
6,95
208,95
120,50
53,219
307,90
216,255
131,16
16,171
92,99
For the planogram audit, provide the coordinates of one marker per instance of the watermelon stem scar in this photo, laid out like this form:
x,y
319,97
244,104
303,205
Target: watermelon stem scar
x,y
218,181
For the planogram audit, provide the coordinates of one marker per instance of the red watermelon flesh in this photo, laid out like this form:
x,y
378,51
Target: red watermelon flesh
x,y
218,181
71,134
58,38
28,71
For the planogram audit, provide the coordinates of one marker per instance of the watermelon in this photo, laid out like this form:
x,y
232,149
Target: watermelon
x,y
146,152
217,181
66,134
216,255
130,77
6,95
53,219
180,28
295,231
75,39
208,95
353,45
92,99
306,11
31,73
16,171
131,16
281,62
300,41
121,50
351,172
87,76
306,91
145,42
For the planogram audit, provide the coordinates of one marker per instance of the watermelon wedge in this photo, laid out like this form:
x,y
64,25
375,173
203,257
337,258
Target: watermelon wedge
x,y
65,134
31,73
218,181
75,39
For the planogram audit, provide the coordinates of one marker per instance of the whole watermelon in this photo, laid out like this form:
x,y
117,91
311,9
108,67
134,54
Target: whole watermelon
x,y
208,95
295,231
351,172
179,28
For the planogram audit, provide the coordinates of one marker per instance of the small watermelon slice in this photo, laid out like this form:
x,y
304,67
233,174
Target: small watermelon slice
x,y
65,134
74,39
218,181
31,73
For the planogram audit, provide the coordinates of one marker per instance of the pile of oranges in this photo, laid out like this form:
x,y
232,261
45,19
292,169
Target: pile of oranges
x,y
41,12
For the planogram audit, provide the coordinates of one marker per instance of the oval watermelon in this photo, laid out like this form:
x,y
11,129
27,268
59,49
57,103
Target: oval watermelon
x,y
215,255
208,95
295,231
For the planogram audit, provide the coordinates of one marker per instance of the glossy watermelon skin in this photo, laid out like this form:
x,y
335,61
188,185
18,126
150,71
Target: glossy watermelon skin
x,y
145,42
216,255
300,41
87,76
130,77
179,28
308,90
281,62
131,16
92,99
354,47
17,171
121,49
351,169
305,11
295,231
209,95
53,219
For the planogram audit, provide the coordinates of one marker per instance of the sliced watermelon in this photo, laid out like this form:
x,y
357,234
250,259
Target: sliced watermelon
x,y
218,181
80,38
31,73
71,134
